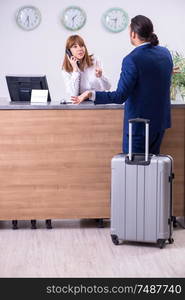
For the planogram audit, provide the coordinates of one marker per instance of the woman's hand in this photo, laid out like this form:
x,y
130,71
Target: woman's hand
x,y
81,98
73,61
98,72
98,69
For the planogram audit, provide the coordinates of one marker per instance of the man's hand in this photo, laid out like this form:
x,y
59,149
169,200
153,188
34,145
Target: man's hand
x,y
176,70
81,98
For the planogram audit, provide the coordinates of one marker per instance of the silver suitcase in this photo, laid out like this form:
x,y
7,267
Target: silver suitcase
x,y
141,195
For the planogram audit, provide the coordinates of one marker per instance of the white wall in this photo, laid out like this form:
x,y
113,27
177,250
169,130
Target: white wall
x,y
41,51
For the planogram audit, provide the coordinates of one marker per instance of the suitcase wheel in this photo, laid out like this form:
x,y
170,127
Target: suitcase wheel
x,y
171,240
161,243
115,239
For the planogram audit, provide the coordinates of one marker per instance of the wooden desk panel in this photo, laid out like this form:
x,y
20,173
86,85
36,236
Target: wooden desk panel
x,y
56,163
174,145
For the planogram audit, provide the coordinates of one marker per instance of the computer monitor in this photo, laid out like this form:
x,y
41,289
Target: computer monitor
x,y
20,87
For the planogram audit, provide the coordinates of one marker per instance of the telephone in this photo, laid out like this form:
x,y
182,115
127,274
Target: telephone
x,y
68,52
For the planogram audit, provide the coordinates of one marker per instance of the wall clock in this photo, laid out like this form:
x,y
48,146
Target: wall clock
x,y
115,19
73,18
28,17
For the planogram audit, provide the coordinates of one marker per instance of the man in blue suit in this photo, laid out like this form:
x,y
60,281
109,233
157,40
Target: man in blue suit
x,y
144,86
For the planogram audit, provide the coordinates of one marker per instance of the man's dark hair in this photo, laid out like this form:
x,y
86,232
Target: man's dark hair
x,y
144,28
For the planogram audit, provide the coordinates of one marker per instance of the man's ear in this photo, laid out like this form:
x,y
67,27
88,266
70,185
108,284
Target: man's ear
x,y
133,34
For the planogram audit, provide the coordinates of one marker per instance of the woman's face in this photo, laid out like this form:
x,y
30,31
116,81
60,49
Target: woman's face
x,y
78,51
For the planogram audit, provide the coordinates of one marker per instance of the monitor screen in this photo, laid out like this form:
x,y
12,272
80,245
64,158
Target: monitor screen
x,y
20,87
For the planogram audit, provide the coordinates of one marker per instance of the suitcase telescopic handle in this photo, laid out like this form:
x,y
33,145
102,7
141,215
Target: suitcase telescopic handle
x,y
139,120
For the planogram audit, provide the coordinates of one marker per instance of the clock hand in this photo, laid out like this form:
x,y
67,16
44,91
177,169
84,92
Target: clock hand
x,y
28,19
115,21
73,18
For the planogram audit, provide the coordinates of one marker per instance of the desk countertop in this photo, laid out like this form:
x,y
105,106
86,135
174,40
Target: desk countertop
x,y
5,104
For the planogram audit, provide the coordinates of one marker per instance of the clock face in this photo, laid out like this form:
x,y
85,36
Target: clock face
x,y
115,19
73,18
28,17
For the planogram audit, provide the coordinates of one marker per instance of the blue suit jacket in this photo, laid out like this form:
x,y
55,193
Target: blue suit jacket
x,y
145,86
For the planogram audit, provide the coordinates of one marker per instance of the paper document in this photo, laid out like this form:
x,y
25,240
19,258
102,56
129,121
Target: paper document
x,y
39,96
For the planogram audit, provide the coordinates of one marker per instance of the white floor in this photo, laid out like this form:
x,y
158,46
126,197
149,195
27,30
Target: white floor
x,y
77,248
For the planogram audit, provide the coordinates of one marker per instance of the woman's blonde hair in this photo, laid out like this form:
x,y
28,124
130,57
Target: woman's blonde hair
x,y
87,60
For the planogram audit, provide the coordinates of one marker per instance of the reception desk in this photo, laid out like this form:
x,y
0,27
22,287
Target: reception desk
x,y
55,159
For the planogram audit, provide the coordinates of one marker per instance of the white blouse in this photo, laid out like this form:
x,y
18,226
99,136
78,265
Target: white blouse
x,y
78,82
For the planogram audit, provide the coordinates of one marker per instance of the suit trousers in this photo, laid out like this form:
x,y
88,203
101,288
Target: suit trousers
x,y
138,143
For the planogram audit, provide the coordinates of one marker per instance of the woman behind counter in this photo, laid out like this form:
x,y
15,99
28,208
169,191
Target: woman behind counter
x,y
80,70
